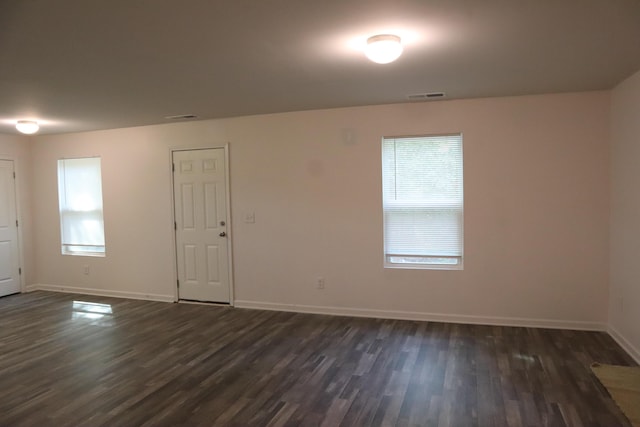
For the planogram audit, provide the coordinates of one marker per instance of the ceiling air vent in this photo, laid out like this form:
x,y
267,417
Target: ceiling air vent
x,y
425,96
182,117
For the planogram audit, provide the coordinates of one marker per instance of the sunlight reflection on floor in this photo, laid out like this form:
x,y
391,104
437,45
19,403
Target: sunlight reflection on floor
x,y
98,314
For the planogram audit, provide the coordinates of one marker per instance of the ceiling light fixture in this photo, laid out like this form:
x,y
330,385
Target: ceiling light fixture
x,y
383,48
27,126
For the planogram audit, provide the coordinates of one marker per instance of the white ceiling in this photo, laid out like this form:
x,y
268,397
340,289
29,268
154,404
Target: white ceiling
x,y
97,64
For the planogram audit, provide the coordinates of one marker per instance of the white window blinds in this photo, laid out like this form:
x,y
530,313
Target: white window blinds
x,y
423,201
80,197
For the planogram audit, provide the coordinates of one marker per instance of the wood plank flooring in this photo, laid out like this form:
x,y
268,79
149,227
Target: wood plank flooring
x,y
116,362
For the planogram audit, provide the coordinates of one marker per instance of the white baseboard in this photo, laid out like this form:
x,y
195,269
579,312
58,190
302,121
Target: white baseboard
x,y
433,317
359,312
624,343
100,292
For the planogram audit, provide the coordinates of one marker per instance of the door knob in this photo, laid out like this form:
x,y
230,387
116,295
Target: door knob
x,y
223,234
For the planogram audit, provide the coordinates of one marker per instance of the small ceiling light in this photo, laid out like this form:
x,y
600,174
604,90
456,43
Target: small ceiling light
x,y
383,48
27,126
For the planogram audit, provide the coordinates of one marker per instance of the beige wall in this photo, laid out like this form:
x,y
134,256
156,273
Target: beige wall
x,y
18,149
624,308
536,210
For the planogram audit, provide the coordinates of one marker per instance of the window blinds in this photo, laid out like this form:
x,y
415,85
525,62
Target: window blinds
x,y
80,197
423,200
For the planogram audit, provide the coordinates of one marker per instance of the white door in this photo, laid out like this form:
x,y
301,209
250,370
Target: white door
x,y
9,259
200,208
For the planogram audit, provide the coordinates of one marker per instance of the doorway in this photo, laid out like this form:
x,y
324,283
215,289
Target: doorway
x,y
9,248
203,249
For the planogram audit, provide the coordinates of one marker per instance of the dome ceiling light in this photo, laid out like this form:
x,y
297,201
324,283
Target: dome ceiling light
x,y
27,126
383,48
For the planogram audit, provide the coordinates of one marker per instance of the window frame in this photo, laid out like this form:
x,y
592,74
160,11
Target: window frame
x,y
424,205
79,249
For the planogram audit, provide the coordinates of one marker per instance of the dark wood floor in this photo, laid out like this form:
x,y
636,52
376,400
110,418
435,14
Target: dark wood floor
x,y
130,363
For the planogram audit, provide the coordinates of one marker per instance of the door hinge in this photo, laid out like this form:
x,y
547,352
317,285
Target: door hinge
x,y
16,222
178,281
173,167
175,225
20,271
14,175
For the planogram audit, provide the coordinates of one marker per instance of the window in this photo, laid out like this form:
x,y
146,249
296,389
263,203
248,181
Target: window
x,y
80,196
422,201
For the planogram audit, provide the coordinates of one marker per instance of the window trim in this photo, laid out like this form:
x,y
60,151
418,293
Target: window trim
x,y
75,249
420,204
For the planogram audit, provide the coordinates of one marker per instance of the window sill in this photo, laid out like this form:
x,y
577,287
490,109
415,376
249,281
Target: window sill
x,y
89,254
423,267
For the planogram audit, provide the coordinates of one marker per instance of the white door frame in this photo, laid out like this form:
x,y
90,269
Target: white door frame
x,y
176,296
16,186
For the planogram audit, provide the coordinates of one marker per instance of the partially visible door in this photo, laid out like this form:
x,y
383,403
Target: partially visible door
x,y
200,208
9,258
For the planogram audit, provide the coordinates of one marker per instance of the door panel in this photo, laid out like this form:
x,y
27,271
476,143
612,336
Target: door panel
x,y
190,264
9,258
200,196
188,207
210,203
5,261
213,266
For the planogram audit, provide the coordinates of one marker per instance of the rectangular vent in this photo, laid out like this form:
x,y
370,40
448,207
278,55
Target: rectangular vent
x,y
425,96
182,117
